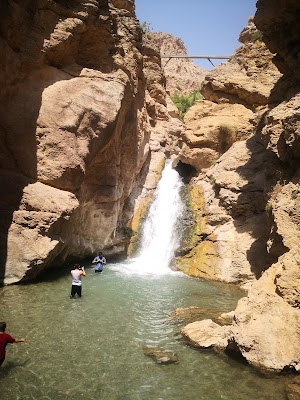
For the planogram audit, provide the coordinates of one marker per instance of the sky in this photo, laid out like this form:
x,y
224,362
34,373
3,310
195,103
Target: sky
x,y
207,27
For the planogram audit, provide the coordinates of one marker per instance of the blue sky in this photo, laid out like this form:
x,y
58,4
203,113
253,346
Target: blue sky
x,y
207,27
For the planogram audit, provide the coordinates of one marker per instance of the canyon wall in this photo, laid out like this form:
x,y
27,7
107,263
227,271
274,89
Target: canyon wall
x,y
86,124
182,74
243,141
84,115
234,173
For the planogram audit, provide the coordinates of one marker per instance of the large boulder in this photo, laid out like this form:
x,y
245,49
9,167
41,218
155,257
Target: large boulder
x,y
211,129
261,332
266,329
42,209
206,334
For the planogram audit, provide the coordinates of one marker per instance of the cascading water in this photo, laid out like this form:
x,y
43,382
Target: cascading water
x,y
160,233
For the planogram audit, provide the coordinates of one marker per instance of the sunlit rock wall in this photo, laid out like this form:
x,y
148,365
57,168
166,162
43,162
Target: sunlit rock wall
x,y
233,170
251,207
76,117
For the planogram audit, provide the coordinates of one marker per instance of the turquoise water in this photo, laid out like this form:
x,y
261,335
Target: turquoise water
x,y
92,348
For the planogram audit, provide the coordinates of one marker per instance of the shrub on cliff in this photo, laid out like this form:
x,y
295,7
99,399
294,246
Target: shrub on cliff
x,y
184,101
227,136
147,30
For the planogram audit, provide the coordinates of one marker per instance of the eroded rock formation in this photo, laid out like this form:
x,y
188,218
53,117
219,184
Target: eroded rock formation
x,y
182,75
86,124
248,213
76,118
235,172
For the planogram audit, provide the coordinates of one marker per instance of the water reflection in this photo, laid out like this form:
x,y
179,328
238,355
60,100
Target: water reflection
x,y
92,348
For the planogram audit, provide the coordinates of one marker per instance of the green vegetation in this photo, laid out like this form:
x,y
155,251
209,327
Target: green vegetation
x,y
185,101
128,232
146,27
268,208
257,36
227,135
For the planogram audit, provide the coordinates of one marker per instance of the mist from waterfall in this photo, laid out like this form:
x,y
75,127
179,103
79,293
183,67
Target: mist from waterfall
x,y
161,230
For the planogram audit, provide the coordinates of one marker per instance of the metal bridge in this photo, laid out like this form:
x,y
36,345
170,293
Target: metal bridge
x,y
209,58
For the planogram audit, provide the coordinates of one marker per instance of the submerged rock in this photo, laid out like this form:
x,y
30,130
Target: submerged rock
x,y
293,389
161,356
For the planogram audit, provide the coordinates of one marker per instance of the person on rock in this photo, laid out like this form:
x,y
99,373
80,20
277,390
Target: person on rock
x,y
99,260
77,273
4,339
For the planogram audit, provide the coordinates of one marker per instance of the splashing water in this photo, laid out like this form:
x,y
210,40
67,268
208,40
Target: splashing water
x,y
160,234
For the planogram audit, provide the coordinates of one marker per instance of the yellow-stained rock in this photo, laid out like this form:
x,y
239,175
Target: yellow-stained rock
x,y
202,261
143,202
202,256
135,223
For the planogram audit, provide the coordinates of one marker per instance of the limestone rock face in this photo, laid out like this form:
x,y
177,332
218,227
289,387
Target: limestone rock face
x,y
278,23
211,129
233,224
250,206
281,132
182,75
249,76
76,117
234,92
42,209
264,321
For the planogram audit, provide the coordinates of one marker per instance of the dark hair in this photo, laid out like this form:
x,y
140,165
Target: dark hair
x,y
2,326
77,266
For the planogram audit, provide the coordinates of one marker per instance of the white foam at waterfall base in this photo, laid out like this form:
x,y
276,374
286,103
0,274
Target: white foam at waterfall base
x,y
161,230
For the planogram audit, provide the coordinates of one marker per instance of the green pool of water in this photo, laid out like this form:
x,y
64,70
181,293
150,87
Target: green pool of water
x,y
92,348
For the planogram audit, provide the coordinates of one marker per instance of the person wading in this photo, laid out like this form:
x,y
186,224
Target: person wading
x,y
4,339
76,273
99,260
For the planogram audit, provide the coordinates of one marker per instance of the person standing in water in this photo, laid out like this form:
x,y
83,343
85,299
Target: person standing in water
x,y
76,273
99,260
4,339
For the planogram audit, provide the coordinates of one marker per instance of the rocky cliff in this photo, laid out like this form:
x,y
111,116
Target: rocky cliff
x,y
84,115
86,124
235,174
182,74
246,196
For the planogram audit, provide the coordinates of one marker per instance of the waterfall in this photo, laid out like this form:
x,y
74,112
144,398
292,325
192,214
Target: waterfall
x,y
160,232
